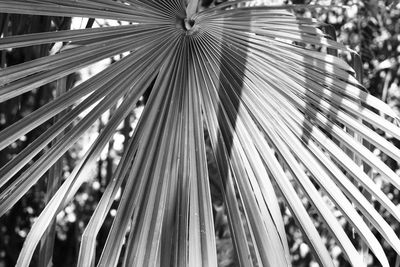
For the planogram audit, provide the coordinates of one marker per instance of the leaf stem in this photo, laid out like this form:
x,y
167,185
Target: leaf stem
x,y
191,8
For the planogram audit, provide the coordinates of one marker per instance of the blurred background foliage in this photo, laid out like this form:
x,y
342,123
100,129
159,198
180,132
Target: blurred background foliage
x,y
370,27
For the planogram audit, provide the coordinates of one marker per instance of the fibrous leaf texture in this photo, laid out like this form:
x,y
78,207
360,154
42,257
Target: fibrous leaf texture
x,y
277,110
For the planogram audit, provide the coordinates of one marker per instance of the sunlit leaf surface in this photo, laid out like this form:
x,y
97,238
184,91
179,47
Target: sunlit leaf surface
x,y
278,111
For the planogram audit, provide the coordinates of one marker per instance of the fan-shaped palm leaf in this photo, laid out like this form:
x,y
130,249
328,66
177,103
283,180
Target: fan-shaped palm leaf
x,y
271,103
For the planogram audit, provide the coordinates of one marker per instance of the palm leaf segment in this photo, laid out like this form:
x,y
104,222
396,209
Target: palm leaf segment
x,y
271,105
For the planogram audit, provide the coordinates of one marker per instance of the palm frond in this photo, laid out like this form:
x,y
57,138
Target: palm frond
x,y
275,106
